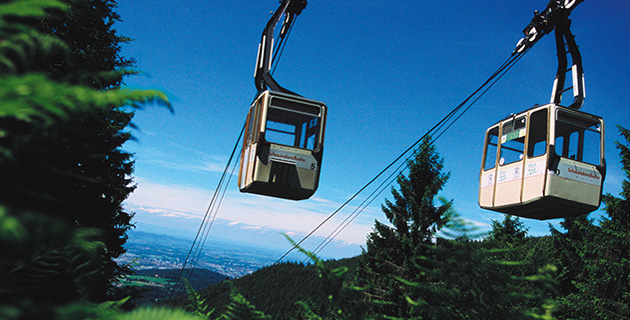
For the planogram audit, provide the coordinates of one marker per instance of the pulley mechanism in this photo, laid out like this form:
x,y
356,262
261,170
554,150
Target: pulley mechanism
x,y
555,16
544,22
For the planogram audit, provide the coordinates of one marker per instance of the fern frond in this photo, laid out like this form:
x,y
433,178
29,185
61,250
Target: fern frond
x,y
37,103
28,8
113,305
35,96
30,51
82,310
240,308
196,304
319,263
159,314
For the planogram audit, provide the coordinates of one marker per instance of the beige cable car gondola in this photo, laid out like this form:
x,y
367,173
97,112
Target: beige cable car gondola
x,y
283,146
546,162
284,133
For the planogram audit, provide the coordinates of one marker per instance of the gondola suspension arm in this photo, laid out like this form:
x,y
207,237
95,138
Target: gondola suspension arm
x,y
555,16
262,77
564,35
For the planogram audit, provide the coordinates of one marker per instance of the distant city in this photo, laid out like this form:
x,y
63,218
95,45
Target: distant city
x,y
157,251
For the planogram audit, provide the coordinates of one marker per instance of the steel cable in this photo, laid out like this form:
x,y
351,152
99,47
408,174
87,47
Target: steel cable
x,y
436,128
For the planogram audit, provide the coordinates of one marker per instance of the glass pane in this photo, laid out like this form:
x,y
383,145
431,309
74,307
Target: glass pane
x,y
560,145
310,133
512,141
492,140
592,140
574,141
292,128
537,134
281,133
580,137
252,126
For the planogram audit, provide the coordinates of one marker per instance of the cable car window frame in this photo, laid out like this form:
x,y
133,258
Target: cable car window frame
x,y
573,137
492,147
521,131
592,144
253,123
538,123
283,112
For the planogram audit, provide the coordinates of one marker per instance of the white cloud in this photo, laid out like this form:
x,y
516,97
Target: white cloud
x,y
176,156
200,166
254,212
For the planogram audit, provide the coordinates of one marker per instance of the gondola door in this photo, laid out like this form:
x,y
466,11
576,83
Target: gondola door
x,y
536,157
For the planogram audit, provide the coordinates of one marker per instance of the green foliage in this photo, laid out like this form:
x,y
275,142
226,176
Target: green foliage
x,y
343,299
84,311
457,228
196,304
413,214
38,104
240,308
63,176
28,8
412,273
596,258
87,27
290,290
392,250
464,280
46,260
618,209
511,231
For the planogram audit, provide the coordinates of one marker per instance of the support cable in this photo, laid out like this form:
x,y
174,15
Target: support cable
x,y
389,180
206,233
201,237
204,227
488,83
280,49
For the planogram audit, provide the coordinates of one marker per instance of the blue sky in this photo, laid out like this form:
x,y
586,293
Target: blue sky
x,y
388,72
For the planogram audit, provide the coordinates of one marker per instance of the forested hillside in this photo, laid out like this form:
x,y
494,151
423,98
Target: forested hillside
x,y
151,286
277,289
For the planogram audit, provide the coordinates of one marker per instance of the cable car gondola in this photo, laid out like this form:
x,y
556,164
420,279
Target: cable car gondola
x,y
284,132
546,162
283,146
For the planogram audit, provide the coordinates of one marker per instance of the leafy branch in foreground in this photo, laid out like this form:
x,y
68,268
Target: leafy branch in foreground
x,y
45,260
196,304
63,174
240,308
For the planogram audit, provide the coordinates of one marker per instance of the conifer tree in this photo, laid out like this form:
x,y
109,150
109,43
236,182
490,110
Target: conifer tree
x,y
392,249
60,158
509,231
77,172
